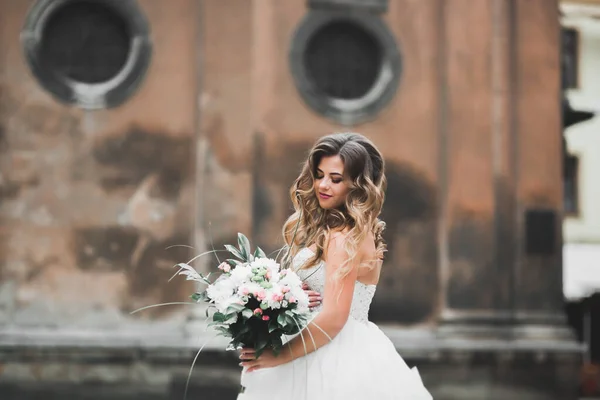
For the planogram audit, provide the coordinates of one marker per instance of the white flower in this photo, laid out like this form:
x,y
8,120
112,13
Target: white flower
x,y
275,296
222,308
270,265
291,279
221,290
240,274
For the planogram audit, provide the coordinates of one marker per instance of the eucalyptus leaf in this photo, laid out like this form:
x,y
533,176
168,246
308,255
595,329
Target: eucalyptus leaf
x,y
247,313
244,245
235,252
259,253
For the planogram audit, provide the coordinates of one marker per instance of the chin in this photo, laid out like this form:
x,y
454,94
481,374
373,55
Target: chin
x,y
329,205
324,206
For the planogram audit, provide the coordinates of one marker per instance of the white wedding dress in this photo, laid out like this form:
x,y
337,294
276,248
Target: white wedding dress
x,y
360,363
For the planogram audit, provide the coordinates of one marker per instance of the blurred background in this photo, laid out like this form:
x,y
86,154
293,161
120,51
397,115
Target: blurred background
x,y
130,126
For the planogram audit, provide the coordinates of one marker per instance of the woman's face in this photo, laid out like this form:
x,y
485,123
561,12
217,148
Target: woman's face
x,y
331,185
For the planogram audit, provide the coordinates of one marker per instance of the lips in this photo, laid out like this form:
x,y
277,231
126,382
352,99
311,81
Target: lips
x,y
324,196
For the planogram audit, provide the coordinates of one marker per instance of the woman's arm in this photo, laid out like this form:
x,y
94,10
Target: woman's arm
x,y
328,323
337,300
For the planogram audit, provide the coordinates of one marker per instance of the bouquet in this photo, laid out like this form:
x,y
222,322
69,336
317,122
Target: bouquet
x,y
255,301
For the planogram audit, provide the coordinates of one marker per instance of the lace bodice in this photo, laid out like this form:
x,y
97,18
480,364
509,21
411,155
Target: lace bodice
x,y
315,278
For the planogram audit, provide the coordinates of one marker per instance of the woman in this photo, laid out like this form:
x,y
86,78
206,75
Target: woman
x,y
335,240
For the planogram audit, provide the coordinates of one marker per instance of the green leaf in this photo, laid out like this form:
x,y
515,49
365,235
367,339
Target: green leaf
x,y
235,308
243,330
276,351
276,345
218,317
230,317
259,253
289,320
261,343
247,313
223,330
273,325
195,297
235,252
244,245
233,263
281,320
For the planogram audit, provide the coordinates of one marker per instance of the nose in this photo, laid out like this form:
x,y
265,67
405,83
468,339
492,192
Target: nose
x,y
324,184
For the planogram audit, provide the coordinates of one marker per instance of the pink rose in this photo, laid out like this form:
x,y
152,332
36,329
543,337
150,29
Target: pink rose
x,y
225,267
285,289
258,311
265,318
244,291
292,299
277,297
268,275
261,295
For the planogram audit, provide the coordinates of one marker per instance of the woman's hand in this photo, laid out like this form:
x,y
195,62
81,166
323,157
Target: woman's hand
x,y
314,298
266,360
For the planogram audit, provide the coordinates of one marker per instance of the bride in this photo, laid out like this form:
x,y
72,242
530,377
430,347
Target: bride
x,y
335,240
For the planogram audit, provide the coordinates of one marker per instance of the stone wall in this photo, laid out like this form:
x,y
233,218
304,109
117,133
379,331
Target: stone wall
x,y
90,200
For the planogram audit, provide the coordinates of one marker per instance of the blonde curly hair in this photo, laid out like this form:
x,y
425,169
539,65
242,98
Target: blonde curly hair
x,y
310,224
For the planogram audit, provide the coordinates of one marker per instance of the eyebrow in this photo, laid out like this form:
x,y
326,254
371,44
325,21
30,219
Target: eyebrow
x,y
332,173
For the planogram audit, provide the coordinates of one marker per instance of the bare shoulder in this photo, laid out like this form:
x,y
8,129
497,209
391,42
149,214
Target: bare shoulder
x,y
365,249
337,238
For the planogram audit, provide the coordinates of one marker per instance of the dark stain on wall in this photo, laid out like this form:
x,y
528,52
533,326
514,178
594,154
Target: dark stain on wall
x,y
149,278
156,266
139,153
408,287
3,142
272,178
506,241
262,207
104,249
159,166
7,190
471,260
